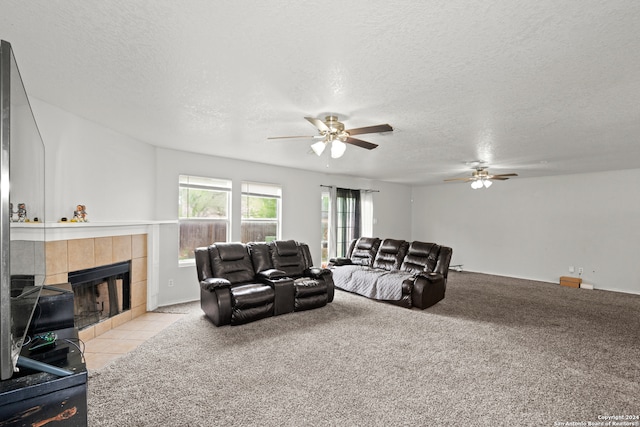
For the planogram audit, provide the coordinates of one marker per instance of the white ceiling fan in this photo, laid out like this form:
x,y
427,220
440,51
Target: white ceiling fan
x,y
334,132
481,177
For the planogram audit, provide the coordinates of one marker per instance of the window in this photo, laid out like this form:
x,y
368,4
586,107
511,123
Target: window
x,y
203,212
260,220
343,219
347,218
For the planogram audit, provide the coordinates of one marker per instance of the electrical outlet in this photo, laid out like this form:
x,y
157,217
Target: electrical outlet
x,y
580,270
170,283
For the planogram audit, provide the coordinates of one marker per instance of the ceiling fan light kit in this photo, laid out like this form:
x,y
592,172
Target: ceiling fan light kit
x,y
333,131
477,184
318,147
338,148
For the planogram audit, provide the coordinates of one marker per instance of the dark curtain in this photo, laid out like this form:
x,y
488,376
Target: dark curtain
x,y
348,218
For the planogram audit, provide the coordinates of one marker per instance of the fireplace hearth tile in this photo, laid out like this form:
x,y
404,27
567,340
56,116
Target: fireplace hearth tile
x,y
138,311
123,334
104,345
102,327
121,319
87,334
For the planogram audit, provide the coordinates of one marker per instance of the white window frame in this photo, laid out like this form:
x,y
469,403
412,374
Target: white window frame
x,y
260,189
200,182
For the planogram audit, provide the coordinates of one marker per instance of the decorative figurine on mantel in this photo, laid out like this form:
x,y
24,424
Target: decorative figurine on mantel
x,y
22,212
20,215
80,214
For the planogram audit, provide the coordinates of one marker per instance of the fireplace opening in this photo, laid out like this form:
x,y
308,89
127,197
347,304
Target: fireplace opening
x,y
100,293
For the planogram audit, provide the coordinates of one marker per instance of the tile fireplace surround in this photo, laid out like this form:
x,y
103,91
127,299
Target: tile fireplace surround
x,y
64,256
73,247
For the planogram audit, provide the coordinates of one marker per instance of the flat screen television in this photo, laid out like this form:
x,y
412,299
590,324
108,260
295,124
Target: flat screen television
x,y
22,193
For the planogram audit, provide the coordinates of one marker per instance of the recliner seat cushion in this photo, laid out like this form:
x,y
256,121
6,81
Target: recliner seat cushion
x,y
306,287
246,315
251,295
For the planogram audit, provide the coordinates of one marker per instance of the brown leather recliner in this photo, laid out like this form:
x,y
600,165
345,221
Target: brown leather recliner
x,y
313,286
230,291
239,284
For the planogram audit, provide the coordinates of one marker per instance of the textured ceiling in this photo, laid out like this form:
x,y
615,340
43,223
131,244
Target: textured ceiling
x,y
537,88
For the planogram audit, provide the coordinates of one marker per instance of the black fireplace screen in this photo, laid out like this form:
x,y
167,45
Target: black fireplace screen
x,y
100,293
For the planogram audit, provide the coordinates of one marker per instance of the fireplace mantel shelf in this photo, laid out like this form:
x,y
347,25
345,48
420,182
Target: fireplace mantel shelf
x,y
52,231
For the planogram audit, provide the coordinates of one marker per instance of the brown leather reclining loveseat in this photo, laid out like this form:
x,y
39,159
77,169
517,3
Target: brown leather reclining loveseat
x,y
409,274
240,283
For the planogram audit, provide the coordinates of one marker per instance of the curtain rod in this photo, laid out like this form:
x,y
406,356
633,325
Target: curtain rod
x,y
366,190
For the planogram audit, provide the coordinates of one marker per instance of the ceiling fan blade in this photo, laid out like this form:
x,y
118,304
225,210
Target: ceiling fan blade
x,y
369,129
459,179
498,177
505,174
291,137
360,143
319,124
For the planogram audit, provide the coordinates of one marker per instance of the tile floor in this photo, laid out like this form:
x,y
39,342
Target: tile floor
x,y
109,346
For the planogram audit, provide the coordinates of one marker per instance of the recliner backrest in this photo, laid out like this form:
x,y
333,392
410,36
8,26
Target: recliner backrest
x,y
260,256
390,254
306,255
364,251
231,261
421,257
444,259
286,256
203,263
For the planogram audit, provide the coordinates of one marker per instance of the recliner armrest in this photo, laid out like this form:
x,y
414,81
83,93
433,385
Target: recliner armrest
x,y
276,281
271,273
428,289
213,283
316,272
431,277
273,277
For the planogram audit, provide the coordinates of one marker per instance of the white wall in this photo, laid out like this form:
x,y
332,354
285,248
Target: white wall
x,y
536,228
301,208
86,163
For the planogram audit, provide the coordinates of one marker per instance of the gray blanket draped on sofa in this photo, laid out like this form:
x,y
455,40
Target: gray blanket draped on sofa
x,y
371,283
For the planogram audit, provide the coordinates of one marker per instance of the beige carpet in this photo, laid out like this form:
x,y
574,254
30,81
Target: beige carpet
x,y
494,352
